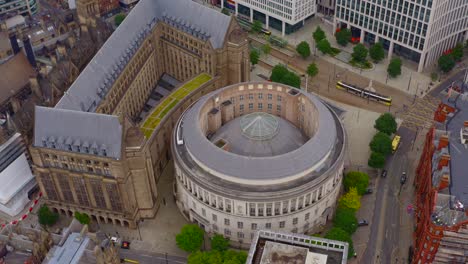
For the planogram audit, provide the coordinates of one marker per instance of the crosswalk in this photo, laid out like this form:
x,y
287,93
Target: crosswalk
x,y
421,114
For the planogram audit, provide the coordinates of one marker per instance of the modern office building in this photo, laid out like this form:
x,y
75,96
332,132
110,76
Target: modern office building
x,y
19,7
258,155
326,7
286,16
103,147
419,30
282,247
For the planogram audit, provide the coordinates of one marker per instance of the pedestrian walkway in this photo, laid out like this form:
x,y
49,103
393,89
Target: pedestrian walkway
x,y
421,113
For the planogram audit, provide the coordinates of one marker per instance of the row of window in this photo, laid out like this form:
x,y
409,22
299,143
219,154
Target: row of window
x,y
259,107
259,96
78,165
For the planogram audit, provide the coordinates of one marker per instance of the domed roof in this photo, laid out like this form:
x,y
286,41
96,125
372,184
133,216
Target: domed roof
x,y
259,126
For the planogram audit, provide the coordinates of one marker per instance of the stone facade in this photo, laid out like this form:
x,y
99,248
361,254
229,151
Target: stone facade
x,y
124,190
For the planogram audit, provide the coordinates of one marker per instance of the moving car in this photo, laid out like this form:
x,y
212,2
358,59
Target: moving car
x,y
403,178
384,173
363,222
368,191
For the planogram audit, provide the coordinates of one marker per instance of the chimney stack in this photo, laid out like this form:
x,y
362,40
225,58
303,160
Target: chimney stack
x,y
29,51
14,44
443,141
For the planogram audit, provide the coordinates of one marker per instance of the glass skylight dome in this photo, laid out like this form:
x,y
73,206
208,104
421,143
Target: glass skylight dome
x,y
259,126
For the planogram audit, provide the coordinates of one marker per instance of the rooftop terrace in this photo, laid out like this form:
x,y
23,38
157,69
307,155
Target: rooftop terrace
x,y
153,120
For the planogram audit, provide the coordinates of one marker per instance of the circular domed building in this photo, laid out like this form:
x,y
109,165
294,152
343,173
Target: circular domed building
x,y
258,155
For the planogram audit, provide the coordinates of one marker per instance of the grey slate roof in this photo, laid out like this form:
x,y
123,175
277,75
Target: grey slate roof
x,y
99,75
279,167
69,120
62,129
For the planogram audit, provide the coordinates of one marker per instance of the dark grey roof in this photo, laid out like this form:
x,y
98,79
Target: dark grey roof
x,y
89,133
99,75
265,170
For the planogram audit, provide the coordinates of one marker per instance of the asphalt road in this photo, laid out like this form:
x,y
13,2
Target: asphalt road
x,y
384,240
144,257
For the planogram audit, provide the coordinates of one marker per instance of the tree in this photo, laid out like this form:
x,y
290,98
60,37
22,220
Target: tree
x,y
359,53
381,143
446,63
356,179
345,219
394,68
118,19
318,34
376,160
351,199
234,257
312,70
457,52
324,46
278,72
376,52
83,218
225,11
46,216
219,243
254,56
256,26
190,238
339,234
266,49
386,123
303,49
291,79
343,36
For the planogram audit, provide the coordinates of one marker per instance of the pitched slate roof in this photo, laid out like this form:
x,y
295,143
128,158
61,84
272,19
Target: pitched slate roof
x,y
88,133
73,118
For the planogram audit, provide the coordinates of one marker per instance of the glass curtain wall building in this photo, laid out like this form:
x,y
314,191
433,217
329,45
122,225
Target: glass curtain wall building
x,y
286,16
19,7
418,30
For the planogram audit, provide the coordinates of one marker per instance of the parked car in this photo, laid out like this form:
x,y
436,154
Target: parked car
x,y
369,191
384,173
403,178
363,222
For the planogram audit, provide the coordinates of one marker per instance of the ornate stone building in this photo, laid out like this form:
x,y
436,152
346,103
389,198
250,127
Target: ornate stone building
x,y
103,147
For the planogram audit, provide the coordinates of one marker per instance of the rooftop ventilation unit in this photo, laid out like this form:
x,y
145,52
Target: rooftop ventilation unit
x,y
464,133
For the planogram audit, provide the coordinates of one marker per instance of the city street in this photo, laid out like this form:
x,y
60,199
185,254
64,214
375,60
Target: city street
x,y
144,257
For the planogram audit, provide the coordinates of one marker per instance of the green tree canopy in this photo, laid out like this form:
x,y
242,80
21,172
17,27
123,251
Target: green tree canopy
x,y
446,63
381,143
312,70
343,36
254,56
394,67
225,11
291,79
83,218
46,216
376,160
345,219
256,26
318,34
303,49
118,19
359,180
324,46
351,200
266,49
278,72
457,52
376,52
190,238
219,243
339,234
359,53
386,123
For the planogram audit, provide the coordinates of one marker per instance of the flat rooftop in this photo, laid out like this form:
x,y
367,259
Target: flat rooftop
x,y
458,154
286,138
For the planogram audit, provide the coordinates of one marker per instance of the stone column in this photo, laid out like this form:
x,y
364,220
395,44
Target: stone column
x,y
334,25
422,61
283,28
251,15
237,9
390,51
222,4
267,22
363,34
376,38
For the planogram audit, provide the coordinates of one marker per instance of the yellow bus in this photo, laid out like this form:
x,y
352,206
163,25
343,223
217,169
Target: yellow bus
x,y
395,143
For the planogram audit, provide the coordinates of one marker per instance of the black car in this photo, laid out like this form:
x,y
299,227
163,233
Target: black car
x,y
384,173
403,178
368,191
363,223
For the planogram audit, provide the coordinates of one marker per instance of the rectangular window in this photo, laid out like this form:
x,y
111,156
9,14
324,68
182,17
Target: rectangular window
x,y
227,221
307,216
215,217
114,196
269,209
241,107
270,96
281,224
278,108
251,96
240,225
254,226
279,98
203,211
98,193
260,106
251,209
295,220
250,106
241,97
227,232
270,106
240,235
268,225
260,96
260,209
49,186
80,190
66,190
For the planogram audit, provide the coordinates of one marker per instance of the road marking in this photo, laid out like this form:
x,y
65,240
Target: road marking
x,y
453,145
